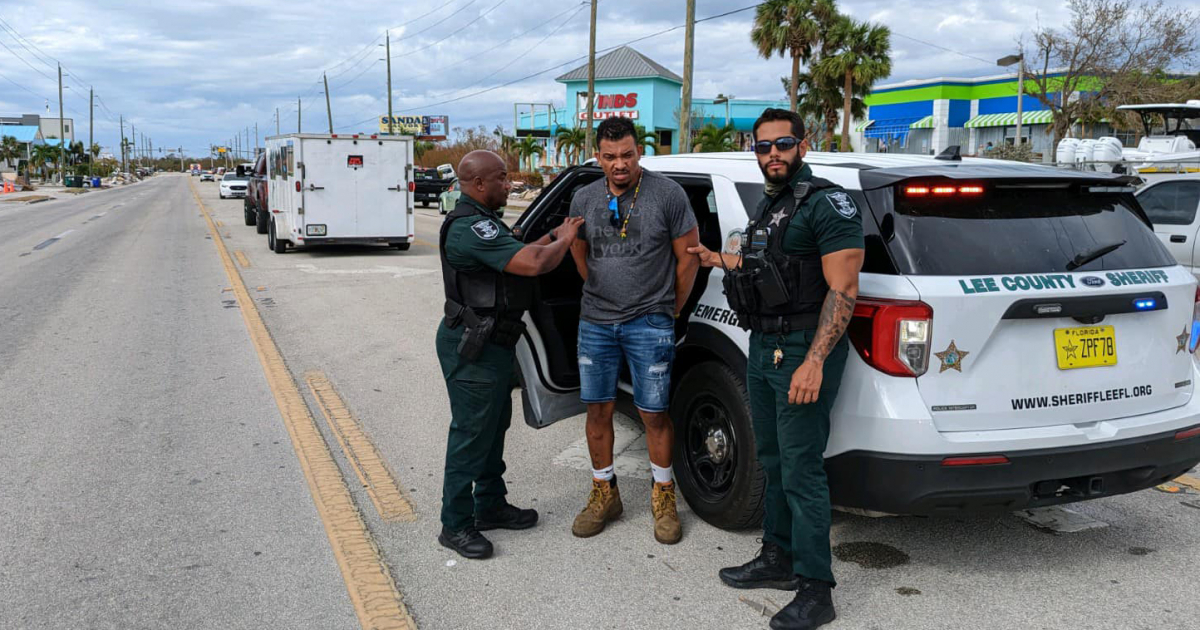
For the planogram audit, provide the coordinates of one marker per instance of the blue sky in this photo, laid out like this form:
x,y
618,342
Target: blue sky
x,y
194,73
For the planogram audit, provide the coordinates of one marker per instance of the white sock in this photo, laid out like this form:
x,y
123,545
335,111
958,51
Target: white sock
x,y
661,475
603,474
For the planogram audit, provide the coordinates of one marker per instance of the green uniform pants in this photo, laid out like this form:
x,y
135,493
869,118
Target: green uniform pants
x,y
790,443
481,412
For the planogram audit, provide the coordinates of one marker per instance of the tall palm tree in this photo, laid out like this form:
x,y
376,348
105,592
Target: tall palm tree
x,y
645,138
570,140
861,58
714,139
791,28
820,99
10,152
42,155
528,147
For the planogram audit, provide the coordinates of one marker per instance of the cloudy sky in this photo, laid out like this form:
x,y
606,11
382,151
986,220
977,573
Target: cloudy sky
x,y
196,73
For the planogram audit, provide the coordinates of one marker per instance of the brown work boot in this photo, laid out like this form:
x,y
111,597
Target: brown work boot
x,y
666,519
604,505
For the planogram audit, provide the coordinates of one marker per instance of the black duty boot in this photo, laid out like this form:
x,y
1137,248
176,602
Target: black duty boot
x,y
506,517
468,542
812,608
772,568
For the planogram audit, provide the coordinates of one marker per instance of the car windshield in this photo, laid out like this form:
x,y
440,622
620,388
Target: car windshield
x,y
234,178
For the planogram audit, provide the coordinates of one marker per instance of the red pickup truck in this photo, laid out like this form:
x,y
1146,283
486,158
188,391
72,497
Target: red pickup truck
x,y
256,210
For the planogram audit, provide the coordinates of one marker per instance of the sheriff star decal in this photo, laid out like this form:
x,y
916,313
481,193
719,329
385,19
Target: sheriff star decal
x,y
485,229
843,204
1182,340
777,217
951,358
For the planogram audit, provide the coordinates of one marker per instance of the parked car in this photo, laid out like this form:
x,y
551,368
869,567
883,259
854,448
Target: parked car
x,y
233,185
449,199
430,185
256,195
1172,206
1016,288
206,176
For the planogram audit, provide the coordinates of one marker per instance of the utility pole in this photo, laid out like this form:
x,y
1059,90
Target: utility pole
x,y
389,82
91,110
132,144
62,134
328,110
123,169
299,110
277,121
685,107
150,146
180,159
591,91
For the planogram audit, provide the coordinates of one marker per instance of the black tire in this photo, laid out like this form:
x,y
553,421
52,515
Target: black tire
x,y
722,482
278,245
262,221
248,211
220,195
401,246
424,204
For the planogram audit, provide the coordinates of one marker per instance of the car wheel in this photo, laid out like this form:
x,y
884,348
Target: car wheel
x,y
249,214
221,195
278,245
713,454
261,222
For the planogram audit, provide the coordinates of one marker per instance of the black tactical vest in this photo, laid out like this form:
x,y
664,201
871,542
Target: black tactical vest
x,y
774,291
486,292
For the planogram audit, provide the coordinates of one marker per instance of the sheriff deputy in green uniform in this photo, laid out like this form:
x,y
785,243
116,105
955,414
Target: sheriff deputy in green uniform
x,y
486,272
794,285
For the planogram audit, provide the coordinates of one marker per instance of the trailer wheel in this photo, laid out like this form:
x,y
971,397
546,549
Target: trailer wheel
x,y
401,246
278,245
261,221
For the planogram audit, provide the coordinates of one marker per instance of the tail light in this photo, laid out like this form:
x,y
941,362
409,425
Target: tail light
x,y
412,186
893,336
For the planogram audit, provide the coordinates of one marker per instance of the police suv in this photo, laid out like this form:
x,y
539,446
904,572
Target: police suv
x,y
1021,339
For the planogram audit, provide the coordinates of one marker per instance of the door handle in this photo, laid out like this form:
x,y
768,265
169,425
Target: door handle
x,y
1178,238
396,188
311,187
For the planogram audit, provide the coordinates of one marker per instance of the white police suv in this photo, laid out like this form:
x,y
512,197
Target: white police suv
x,y
1021,339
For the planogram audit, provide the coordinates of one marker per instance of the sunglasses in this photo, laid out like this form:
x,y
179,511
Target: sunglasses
x,y
786,143
615,218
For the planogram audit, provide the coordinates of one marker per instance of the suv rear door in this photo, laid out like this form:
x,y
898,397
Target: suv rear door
x,y
1171,206
1021,337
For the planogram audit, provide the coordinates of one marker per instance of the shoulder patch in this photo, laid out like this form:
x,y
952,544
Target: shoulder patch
x,y
843,204
485,229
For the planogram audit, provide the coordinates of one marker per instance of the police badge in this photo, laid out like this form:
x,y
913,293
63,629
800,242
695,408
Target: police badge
x,y
485,229
843,204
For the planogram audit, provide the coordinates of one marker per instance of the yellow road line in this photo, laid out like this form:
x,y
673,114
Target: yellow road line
x,y
1189,481
220,224
241,258
373,592
372,470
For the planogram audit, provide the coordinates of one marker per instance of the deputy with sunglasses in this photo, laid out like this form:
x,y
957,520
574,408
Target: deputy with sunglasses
x,y
794,284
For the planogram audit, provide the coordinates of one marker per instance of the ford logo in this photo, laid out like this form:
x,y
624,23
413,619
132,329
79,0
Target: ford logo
x,y
1092,281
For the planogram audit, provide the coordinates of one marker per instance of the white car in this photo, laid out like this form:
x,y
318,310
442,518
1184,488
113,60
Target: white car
x,y
1172,206
233,185
1021,339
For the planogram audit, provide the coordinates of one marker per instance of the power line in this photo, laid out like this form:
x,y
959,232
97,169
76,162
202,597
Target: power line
x,y
949,50
452,33
26,62
362,54
35,51
23,87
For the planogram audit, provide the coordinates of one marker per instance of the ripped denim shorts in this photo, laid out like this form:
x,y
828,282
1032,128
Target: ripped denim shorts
x,y
646,343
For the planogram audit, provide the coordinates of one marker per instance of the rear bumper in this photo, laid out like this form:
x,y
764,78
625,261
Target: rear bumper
x,y
921,485
427,196
354,240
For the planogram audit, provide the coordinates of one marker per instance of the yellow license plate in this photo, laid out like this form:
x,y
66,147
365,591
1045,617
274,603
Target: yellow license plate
x,y
1089,346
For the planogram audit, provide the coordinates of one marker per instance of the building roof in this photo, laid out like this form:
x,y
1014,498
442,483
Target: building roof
x,y
52,142
23,133
622,63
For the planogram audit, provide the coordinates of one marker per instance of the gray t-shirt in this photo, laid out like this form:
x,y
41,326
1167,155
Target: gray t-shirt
x,y
632,276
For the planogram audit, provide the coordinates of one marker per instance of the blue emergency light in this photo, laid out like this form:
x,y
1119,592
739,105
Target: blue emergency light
x,y
1145,304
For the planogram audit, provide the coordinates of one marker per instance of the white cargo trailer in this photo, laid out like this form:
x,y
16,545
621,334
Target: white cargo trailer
x,y
338,188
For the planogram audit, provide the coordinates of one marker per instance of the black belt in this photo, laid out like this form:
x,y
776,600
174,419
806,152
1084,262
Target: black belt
x,y
508,327
771,324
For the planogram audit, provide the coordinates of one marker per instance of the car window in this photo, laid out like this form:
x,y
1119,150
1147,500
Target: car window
x,y
1171,203
1014,228
751,193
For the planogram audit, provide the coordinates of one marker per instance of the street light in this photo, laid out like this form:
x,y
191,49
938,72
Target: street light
x,y
1005,62
724,99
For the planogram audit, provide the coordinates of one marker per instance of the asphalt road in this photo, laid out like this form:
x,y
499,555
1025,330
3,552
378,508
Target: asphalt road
x,y
109,359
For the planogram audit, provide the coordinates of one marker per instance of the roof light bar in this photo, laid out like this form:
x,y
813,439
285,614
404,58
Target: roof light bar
x,y
943,190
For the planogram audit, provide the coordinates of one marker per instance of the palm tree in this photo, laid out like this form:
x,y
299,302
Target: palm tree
x,y
10,152
43,154
572,141
529,147
645,138
861,58
820,99
792,28
76,152
714,139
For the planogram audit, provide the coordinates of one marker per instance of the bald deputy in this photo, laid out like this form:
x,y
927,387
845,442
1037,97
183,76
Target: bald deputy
x,y
487,275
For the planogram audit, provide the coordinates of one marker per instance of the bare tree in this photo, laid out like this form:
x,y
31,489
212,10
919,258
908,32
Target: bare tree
x,y
1110,51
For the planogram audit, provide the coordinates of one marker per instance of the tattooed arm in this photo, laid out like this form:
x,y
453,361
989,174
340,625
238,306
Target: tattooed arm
x,y
841,273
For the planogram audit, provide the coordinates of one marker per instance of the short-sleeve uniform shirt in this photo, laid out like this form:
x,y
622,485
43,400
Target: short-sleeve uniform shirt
x,y
828,221
480,242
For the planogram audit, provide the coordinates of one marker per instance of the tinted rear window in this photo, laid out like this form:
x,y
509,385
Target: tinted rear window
x,y
1017,229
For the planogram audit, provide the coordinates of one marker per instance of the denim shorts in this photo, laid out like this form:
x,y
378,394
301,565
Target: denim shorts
x,y
646,343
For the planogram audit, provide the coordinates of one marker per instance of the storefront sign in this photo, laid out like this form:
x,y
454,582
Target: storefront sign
x,y
423,127
629,113
609,101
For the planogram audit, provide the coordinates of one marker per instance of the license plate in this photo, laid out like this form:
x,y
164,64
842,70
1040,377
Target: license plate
x,y
1089,346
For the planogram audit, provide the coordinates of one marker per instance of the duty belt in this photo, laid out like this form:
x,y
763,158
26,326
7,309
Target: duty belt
x,y
782,323
506,329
